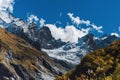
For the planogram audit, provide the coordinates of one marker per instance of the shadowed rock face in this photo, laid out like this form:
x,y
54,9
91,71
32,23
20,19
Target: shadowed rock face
x,y
44,38
4,72
22,72
41,38
20,61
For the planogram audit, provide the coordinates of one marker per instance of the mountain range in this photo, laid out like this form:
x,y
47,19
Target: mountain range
x,y
33,54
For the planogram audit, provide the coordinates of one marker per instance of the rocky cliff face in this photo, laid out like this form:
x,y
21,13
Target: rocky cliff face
x,y
20,61
44,38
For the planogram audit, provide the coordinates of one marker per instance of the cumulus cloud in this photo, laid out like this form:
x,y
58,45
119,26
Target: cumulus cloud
x,y
75,20
32,18
42,22
98,28
78,21
6,5
70,33
115,34
67,34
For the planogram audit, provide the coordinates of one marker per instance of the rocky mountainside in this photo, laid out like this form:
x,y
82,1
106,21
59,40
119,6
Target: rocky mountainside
x,y
102,64
20,61
43,37
71,53
39,38
68,54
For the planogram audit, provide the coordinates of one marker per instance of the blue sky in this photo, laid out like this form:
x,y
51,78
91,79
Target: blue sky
x,y
104,13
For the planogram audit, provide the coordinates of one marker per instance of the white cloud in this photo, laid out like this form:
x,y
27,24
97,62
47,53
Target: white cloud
x,y
75,20
87,22
98,28
6,5
42,22
69,33
115,34
32,18
78,21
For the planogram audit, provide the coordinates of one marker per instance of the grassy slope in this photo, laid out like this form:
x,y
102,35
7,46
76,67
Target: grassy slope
x,y
24,54
102,64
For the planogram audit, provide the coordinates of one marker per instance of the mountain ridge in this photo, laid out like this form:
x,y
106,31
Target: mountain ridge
x,y
67,53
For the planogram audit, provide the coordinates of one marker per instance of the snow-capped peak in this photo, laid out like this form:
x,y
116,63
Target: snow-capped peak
x,y
9,21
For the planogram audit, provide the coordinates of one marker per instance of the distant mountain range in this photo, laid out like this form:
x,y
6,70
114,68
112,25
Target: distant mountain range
x,y
66,53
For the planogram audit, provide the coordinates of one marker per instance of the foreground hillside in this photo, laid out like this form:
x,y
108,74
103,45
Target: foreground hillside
x,y
102,64
20,61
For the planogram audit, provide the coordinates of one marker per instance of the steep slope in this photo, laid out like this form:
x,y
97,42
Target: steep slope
x,y
20,61
102,64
